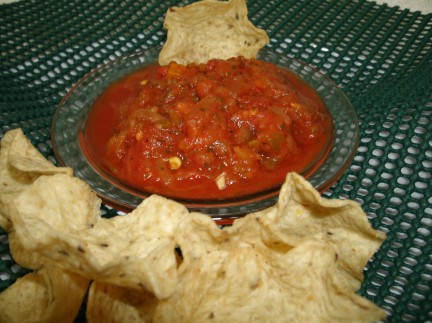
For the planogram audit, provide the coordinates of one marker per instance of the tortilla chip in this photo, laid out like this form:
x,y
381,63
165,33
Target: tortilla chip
x,y
134,251
139,249
4,222
243,284
301,213
210,29
246,268
24,257
281,260
53,202
109,303
49,295
20,165
240,268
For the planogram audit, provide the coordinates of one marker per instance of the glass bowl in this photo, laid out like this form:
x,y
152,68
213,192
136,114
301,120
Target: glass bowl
x,y
70,119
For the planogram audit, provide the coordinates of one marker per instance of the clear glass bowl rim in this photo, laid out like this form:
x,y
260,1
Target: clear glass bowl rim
x,y
218,208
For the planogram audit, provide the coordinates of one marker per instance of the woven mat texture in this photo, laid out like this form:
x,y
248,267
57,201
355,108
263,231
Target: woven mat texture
x,y
380,56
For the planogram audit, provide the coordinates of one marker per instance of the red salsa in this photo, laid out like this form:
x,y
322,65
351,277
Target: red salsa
x,y
219,130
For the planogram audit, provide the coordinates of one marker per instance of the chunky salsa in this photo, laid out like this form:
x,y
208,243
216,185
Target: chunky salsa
x,y
219,130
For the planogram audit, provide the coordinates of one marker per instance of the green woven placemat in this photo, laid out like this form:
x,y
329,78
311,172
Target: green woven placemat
x,y
380,56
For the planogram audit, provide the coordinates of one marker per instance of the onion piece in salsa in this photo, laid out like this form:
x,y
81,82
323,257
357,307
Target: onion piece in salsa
x,y
224,129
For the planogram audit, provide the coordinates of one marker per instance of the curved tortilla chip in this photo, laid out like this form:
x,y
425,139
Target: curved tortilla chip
x,y
243,284
302,213
24,257
210,29
48,295
20,165
58,217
